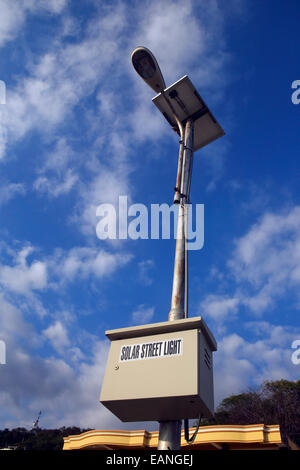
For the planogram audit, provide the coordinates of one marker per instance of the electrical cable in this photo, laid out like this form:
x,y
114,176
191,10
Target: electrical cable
x,y
187,437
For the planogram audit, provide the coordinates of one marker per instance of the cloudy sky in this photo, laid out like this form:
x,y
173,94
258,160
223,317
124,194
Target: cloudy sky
x,y
78,129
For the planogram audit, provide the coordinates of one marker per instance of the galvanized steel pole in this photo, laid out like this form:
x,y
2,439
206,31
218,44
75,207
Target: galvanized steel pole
x,y
177,303
170,431
169,435
181,147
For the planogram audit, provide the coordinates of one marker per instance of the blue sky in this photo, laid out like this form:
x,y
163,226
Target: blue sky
x,y
79,129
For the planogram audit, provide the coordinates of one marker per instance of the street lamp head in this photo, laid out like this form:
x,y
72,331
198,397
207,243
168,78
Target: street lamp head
x,y
147,67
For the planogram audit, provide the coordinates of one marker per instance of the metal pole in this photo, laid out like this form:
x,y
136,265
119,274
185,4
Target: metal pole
x,y
177,303
181,147
169,435
186,264
170,431
186,287
179,168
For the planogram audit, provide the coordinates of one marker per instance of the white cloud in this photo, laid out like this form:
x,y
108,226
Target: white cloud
x,y
219,307
68,73
185,39
82,262
61,79
145,268
57,173
48,384
53,6
242,364
268,259
12,324
13,14
60,158
265,267
268,234
56,186
262,271
105,187
23,277
57,335
12,17
142,314
63,76
10,190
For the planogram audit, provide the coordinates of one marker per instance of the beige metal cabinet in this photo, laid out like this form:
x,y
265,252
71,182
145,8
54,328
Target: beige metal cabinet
x,y
161,371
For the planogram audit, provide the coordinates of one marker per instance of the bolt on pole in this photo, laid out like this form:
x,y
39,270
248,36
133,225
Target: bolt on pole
x,y
170,431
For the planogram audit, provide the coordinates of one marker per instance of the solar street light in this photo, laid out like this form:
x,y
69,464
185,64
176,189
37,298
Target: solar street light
x,y
189,116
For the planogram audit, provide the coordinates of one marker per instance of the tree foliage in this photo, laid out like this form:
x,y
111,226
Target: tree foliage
x,y
275,402
37,439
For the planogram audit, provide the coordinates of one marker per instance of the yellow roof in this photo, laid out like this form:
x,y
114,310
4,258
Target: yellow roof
x,y
254,436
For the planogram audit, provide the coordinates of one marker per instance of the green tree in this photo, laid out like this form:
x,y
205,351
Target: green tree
x,y
275,402
37,439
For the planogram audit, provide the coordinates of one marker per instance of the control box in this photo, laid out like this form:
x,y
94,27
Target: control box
x,y
161,371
